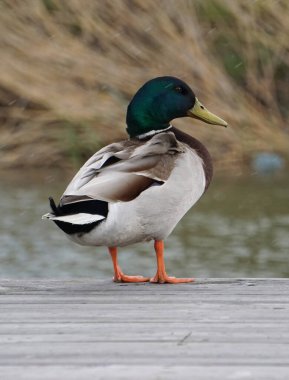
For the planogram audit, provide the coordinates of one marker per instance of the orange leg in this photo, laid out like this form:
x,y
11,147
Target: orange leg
x,y
161,276
118,274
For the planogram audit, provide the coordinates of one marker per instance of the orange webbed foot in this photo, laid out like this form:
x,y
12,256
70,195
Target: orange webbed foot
x,y
161,276
121,277
165,279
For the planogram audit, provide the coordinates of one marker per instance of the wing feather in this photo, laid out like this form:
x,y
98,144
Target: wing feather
x,y
121,171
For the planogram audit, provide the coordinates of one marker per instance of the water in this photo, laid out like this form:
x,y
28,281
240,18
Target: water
x,y
240,228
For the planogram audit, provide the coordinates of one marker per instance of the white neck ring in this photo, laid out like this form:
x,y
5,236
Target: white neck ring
x,y
153,132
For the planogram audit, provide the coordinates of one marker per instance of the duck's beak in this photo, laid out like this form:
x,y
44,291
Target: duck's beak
x,y
201,113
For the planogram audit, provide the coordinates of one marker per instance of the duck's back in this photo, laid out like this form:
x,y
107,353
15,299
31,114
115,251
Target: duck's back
x,y
147,190
154,213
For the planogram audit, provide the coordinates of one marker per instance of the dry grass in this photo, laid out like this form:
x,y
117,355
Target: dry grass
x,y
69,68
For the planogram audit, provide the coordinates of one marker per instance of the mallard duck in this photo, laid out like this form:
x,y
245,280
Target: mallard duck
x,y
138,189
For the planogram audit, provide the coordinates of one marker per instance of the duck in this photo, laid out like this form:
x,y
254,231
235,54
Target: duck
x,y
138,189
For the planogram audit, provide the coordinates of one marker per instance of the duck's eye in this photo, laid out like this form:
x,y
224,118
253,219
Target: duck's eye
x,y
180,90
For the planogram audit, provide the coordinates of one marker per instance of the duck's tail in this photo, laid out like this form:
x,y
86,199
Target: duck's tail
x,y
77,216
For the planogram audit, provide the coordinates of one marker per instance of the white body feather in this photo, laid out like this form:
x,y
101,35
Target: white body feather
x,y
81,218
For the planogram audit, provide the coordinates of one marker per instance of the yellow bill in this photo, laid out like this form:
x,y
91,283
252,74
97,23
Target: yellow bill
x,y
200,112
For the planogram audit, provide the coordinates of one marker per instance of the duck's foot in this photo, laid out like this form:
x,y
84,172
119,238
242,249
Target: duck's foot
x,y
165,279
119,276
161,276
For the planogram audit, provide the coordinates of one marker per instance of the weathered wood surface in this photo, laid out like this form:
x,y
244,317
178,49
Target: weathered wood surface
x,y
89,329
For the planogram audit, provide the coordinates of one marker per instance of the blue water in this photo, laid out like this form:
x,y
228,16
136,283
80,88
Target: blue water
x,y
240,228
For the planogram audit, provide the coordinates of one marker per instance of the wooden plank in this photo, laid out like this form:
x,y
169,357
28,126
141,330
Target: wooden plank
x,y
117,334
212,329
144,353
142,372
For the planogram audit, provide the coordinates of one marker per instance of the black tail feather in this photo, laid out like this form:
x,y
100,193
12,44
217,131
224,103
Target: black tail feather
x,y
91,206
53,206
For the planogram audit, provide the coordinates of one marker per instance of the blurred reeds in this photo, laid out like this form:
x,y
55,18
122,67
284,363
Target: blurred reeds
x,y
69,68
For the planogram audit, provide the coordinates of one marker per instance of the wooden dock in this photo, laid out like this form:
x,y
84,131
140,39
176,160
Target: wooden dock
x,y
91,329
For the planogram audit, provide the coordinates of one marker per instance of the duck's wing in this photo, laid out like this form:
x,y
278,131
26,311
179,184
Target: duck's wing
x,y
120,172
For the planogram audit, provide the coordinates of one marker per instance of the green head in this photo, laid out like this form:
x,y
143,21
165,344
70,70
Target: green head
x,y
161,100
